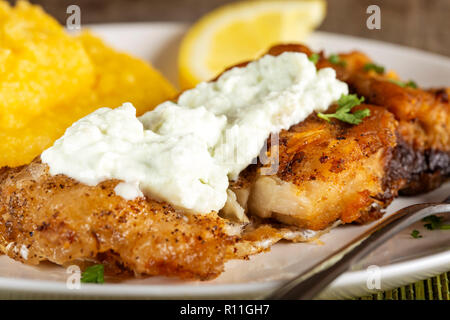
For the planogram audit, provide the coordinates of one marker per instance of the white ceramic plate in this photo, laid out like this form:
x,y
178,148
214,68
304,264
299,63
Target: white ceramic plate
x,y
402,260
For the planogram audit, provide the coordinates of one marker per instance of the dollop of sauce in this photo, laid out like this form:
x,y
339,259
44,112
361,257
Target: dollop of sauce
x,y
184,152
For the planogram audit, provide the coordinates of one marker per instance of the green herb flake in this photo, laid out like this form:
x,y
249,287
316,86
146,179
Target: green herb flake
x,y
335,59
410,83
372,66
397,82
435,223
93,274
314,58
346,104
416,234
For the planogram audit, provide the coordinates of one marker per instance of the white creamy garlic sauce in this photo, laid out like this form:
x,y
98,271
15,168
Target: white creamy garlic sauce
x,y
185,152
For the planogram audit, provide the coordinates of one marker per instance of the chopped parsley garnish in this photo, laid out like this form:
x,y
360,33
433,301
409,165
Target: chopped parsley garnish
x,y
435,222
93,274
416,234
346,104
314,58
335,59
372,66
399,83
410,83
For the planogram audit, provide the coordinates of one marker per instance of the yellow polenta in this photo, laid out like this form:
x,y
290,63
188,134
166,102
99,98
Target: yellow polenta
x,y
49,79
40,65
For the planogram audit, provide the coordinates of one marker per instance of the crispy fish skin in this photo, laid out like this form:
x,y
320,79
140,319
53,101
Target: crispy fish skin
x,y
61,220
423,115
328,171
424,123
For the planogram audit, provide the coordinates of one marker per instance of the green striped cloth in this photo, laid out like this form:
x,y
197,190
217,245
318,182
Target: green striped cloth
x,y
436,288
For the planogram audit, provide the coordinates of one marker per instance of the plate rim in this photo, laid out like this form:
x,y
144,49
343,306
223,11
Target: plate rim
x,y
348,279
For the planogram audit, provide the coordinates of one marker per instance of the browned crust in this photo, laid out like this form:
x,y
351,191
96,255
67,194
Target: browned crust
x,y
61,220
317,153
423,156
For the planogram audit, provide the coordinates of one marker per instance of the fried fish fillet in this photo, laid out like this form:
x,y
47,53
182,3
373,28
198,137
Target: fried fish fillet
x,y
423,116
56,218
327,172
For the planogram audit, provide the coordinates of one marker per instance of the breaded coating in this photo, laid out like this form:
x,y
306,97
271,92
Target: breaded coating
x,y
327,172
58,219
423,116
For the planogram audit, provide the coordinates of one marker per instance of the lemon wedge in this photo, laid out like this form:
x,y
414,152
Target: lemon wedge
x,y
242,31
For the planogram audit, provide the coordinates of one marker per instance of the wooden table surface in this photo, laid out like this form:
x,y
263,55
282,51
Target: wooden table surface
x,y
422,24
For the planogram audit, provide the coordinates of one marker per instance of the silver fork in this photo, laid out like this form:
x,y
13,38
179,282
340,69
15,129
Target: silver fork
x,y
310,283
